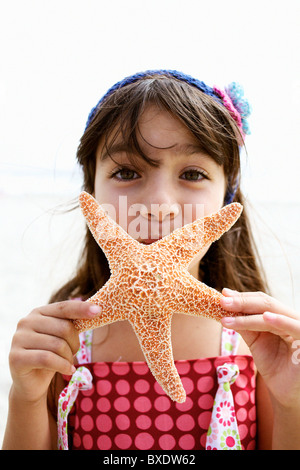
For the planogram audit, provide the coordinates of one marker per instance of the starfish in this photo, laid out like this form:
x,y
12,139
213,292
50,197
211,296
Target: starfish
x,y
149,283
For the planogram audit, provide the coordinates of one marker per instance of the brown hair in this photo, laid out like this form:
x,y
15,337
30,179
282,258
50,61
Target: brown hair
x,y
231,261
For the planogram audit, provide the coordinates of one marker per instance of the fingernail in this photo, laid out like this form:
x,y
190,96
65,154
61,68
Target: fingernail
x,y
228,320
227,301
269,316
94,310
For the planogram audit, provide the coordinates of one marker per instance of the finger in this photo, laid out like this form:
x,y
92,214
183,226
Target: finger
x,y
39,323
59,328
253,303
271,322
70,309
243,323
288,326
41,359
38,341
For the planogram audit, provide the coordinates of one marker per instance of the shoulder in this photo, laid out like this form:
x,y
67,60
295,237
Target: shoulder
x,y
243,349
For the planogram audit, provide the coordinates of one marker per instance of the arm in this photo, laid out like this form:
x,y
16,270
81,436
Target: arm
x,y
271,331
28,424
286,431
44,343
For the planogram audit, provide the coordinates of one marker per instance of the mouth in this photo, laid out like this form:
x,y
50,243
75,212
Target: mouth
x,y
149,241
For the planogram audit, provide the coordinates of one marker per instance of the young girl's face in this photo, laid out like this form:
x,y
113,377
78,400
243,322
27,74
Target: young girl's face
x,y
151,201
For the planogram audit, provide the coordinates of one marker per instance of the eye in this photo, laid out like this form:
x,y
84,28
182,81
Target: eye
x,y
124,174
194,175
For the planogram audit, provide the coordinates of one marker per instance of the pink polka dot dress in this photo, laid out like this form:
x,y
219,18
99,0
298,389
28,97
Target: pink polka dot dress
x,y
120,406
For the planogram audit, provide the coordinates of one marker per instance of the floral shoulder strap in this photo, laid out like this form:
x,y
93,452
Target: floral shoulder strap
x,y
223,433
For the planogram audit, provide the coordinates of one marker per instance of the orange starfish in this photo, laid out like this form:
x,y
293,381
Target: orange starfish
x,y
149,283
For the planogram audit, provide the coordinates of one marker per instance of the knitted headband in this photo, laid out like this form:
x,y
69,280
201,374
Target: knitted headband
x,y
232,97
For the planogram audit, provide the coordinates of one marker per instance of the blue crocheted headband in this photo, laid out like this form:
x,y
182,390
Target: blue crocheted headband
x,y
232,97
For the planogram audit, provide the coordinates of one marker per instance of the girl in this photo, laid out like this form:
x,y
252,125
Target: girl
x,y
162,140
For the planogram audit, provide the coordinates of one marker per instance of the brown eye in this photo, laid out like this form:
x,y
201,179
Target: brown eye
x,y
193,175
125,174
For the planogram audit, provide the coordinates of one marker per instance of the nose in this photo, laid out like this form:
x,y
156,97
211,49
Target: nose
x,y
161,202
160,211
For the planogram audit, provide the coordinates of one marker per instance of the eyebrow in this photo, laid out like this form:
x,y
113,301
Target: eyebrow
x,y
183,149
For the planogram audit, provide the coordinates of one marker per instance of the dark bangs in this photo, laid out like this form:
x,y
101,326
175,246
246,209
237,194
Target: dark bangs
x,y
118,119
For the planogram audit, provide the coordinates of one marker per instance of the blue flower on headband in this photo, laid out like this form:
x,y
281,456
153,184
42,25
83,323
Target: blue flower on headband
x,y
236,94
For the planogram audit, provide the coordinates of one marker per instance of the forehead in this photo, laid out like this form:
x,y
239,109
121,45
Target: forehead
x,y
160,129
156,129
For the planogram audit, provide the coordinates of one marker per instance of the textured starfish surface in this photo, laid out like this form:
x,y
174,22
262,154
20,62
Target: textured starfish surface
x,y
150,283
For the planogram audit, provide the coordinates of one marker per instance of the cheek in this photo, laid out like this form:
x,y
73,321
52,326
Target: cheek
x,y
198,258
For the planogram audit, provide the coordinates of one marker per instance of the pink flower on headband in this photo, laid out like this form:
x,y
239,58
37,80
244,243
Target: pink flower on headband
x,y
236,104
229,105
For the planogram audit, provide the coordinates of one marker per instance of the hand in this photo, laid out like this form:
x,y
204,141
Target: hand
x,y
272,332
45,342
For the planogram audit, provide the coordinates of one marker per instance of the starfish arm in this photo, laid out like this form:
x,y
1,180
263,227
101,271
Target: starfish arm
x,y
192,297
113,240
112,311
154,335
220,222
186,242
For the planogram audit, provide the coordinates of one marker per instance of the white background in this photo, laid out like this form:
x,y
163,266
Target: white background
x,y
58,57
